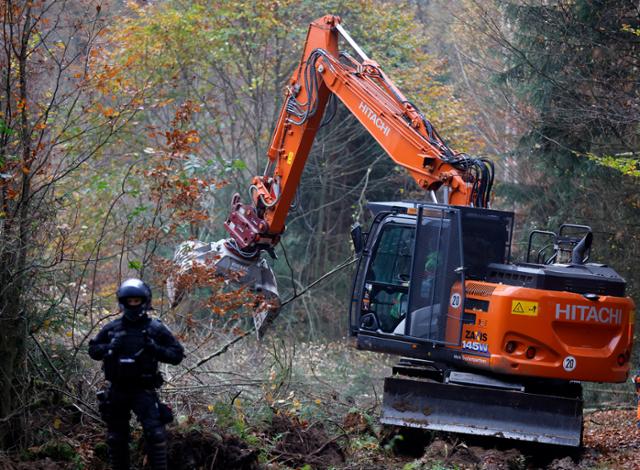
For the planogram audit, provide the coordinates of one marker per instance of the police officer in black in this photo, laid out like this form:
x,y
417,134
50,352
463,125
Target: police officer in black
x,y
131,348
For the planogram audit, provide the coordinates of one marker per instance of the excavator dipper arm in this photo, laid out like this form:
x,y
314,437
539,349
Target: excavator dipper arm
x,y
397,125
323,74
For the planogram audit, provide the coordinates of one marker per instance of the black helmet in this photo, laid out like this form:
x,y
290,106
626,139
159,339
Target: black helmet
x,y
134,288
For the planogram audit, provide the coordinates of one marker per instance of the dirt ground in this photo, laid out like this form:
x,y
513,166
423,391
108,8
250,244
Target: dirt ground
x,y
614,438
321,414
200,449
300,443
611,441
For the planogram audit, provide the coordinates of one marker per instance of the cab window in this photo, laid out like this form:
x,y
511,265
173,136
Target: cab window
x,y
387,281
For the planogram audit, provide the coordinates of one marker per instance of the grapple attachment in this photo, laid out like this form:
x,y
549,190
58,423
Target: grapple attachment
x,y
483,408
239,270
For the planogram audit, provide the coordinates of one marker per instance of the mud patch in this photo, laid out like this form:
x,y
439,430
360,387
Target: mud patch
x,y
298,443
455,454
200,449
357,423
565,463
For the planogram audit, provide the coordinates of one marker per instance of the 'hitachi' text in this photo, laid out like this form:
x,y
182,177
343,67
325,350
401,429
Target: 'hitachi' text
x,y
379,123
592,313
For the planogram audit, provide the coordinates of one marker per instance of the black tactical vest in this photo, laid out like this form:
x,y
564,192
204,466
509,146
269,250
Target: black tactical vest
x,y
132,365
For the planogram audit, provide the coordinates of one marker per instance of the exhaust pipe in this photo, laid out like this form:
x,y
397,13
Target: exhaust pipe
x,y
577,254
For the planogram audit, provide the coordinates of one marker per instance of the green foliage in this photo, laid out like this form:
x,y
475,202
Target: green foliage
x,y
136,265
230,417
628,164
393,442
53,449
137,211
101,450
5,129
364,442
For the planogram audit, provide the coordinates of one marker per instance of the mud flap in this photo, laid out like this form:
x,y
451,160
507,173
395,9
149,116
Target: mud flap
x,y
510,414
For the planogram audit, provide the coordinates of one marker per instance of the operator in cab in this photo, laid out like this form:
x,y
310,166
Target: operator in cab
x,y
131,348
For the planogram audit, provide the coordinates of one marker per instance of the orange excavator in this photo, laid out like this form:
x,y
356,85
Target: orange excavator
x,y
488,346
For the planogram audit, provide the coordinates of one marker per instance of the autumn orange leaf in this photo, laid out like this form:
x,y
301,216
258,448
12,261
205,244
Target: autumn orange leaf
x,y
109,112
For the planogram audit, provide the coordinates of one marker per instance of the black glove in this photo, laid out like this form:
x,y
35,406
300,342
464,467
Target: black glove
x,y
150,345
116,342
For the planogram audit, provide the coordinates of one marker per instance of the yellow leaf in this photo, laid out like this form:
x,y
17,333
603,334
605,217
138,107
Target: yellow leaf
x,y
57,423
318,401
69,334
210,407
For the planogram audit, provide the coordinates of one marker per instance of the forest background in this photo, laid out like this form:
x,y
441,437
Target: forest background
x,y
126,127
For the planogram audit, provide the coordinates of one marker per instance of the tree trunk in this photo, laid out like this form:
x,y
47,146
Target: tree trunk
x,y
12,365
14,242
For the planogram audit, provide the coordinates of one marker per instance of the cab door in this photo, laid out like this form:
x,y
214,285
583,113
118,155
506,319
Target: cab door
x,y
436,297
381,287
403,286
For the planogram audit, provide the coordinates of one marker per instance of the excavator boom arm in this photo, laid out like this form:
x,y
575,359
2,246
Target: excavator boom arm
x,y
396,124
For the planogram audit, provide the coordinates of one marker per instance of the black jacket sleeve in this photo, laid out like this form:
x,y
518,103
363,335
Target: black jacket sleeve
x,y
168,348
99,346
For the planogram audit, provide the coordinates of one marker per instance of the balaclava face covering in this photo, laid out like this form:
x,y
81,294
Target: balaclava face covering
x,y
133,313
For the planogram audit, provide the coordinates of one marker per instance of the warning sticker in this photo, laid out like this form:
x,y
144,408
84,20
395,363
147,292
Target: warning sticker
x,y
290,158
524,307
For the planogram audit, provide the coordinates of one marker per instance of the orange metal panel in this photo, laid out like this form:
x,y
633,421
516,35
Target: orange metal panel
x,y
573,338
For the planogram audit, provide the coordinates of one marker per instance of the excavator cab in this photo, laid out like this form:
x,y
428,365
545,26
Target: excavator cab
x,y
408,287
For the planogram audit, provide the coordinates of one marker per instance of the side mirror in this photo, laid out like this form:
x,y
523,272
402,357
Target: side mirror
x,y
357,238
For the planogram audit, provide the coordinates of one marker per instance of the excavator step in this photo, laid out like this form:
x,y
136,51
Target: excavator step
x,y
483,410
